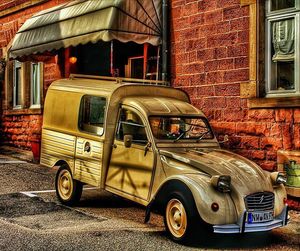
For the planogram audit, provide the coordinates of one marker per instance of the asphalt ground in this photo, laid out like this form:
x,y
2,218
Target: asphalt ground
x,y
32,219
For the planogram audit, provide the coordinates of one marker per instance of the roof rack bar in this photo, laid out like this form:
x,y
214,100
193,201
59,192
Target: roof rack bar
x,y
120,80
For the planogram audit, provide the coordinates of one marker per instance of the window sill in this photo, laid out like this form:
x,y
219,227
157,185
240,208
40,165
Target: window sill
x,y
278,102
23,112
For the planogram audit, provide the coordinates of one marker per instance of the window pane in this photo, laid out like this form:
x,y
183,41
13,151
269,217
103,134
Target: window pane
x,y
35,84
283,73
283,55
283,40
282,4
18,86
92,114
131,124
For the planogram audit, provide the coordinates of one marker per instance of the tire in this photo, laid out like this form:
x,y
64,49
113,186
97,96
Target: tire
x,y
68,190
181,217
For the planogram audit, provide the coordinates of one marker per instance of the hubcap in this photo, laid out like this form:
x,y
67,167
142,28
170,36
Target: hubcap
x,y
176,218
65,184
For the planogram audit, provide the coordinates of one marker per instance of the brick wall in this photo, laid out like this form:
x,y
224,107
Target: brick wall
x,y
22,128
209,60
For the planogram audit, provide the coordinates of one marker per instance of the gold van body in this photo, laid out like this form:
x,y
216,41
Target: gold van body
x,y
147,173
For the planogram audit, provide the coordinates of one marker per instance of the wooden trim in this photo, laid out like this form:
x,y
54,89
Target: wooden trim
x,y
22,6
247,2
253,54
279,102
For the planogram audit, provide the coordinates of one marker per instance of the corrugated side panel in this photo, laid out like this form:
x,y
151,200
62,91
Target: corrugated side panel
x,y
88,164
57,146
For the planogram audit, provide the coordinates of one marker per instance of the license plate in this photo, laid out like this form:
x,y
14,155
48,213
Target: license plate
x,y
255,217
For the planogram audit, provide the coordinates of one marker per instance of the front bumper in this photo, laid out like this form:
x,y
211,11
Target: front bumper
x,y
244,227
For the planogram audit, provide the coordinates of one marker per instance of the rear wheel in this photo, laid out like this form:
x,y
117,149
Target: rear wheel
x,y
68,190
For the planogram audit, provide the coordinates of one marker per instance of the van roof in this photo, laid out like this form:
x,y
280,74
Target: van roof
x,y
162,106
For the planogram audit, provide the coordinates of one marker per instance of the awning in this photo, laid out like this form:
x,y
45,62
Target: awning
x,y
80,22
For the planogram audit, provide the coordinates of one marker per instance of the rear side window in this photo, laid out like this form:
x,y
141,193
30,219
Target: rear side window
x,y
92,114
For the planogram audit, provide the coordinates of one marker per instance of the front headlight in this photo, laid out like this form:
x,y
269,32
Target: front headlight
x,y
278,178
222,183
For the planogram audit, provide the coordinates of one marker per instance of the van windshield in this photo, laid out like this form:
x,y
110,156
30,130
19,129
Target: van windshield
x,y
180,128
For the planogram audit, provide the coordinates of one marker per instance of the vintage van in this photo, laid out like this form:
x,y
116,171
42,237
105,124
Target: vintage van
x,y
148,144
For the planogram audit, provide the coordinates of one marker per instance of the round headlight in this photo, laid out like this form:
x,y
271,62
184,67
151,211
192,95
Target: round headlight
x,y
222,183
278,178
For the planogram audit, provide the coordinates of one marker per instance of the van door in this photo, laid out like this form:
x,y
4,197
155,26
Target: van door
x,y
130,169
88,156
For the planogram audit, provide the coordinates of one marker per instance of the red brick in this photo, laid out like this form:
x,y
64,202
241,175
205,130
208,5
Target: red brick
x,y
297,136
239,24
271,143
238,50
214,102
214,16
243,36
195,44
257,155
224,127
252,128
297,115
241,62
206,5
287,137
233,102
275,130
226,39
206,54
220,52
227,3
233,114
249,142
196,20
235,12
236,75
262,115
227,90
268,165
206,91
189,9
211,65
225,64
197,79
214,77
284,115
271,155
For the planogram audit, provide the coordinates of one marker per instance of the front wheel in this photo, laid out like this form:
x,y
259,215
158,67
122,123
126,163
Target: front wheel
x,y
68,190
182,220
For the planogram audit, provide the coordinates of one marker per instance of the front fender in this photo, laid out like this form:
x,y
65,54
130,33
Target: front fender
x,y
204,195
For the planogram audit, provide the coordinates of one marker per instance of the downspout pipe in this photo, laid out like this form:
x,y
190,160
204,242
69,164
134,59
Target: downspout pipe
x,y
164,45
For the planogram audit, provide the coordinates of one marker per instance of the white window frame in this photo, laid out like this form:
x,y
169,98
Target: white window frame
x,y
17,64
39,81
272,16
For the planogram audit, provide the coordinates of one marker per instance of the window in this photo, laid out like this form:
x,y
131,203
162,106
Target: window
x,y
92,114
282,47
131,124
17,84
35,85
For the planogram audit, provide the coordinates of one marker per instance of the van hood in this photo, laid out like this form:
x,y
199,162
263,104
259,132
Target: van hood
x,y
246,176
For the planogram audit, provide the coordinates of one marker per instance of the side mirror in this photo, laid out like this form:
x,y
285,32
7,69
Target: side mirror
x,y
127,140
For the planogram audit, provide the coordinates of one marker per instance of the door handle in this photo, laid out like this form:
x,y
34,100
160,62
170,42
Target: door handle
x,y
87,147
114,145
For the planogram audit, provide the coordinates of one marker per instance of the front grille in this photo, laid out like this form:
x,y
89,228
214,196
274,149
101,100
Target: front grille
x,y
260,201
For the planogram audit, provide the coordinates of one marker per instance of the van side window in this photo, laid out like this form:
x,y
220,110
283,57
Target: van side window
x,y
131,124
92,114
